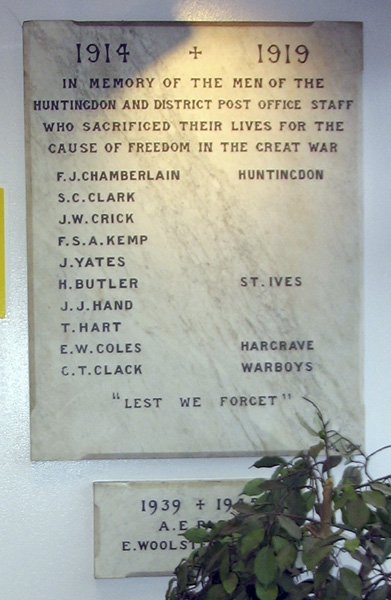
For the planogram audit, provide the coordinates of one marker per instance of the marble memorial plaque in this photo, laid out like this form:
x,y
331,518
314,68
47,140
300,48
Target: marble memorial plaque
x,y
139,526
194,236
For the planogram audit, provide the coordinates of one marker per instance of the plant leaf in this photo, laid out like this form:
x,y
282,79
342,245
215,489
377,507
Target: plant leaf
x,y
290,526
381,593
230,583
336,591
323,572
381,487
351,582
279,542
331,462
224,565
375,498
252,488
216,592
302,590
197,535
386,545
376,551
309,499
297,479
252,540
313,559
352,545
265,566
264,593
214,555
269,461
181,574
352,474
357,513
286,557
348,493
286,582
363,559
295,503
272,484
314,451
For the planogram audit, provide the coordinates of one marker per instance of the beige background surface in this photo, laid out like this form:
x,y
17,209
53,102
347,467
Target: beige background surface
x,y
46,507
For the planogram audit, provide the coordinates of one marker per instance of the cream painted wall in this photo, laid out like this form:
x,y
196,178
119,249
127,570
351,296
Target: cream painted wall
x,y
46,528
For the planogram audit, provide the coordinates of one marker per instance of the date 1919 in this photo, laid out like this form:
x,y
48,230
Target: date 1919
x,y
285,53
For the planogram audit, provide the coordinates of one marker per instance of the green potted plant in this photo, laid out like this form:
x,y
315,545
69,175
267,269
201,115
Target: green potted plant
x,y
299,535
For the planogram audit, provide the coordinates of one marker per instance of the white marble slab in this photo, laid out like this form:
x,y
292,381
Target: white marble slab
x,y
139,526
194,236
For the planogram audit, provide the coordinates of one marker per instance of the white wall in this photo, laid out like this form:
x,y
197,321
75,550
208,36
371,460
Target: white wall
x,y
46,528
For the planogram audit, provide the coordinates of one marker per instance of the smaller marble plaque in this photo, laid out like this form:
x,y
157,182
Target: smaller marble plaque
x,y
139,526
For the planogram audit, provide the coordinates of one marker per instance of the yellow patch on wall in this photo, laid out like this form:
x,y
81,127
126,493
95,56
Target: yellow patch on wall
x,y
2,257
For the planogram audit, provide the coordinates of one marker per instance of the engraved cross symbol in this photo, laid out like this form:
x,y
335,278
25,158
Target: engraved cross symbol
x,y
195,52
200,504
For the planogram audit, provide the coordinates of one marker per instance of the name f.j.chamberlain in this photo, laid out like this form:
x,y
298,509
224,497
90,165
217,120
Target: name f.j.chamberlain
x,y
122,175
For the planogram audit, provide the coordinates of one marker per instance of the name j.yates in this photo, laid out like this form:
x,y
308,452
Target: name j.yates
x,y
112,370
